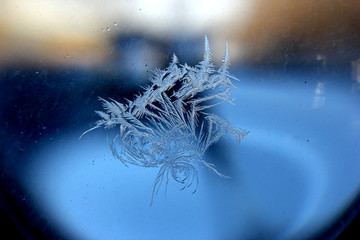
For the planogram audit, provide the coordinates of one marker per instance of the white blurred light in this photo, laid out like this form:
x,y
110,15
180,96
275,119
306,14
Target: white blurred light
x,y
52,30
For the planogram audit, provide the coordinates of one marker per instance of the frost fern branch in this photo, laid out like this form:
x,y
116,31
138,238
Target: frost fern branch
x,y
167,126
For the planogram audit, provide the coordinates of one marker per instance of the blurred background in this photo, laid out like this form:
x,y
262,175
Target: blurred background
x,y
87,33
57,57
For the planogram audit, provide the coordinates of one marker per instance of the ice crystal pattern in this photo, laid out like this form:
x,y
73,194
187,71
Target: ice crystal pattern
x,y
167,126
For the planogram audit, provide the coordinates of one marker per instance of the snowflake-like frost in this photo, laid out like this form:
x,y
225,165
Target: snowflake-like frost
x,y
168,126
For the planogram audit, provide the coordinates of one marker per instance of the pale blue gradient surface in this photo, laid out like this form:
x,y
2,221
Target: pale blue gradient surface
x,y
295,172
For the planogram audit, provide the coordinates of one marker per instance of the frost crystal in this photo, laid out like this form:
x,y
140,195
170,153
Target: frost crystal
x,y
167,126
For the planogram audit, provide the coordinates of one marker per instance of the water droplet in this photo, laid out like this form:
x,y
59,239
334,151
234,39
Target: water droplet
x,y
108,29
115,24
103,29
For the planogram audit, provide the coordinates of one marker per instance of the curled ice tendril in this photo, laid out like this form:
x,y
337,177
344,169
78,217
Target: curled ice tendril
x,y
168,126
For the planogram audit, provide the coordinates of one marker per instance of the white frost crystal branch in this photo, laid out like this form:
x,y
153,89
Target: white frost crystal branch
x,y
167,126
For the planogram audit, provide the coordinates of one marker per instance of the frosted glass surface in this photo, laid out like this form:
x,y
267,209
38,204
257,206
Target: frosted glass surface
x,y
294,173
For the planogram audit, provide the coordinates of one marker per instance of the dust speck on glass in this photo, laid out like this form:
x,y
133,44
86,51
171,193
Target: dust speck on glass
x,y
168,125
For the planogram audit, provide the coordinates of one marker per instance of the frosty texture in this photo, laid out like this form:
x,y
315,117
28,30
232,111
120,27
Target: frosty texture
x,y
168,126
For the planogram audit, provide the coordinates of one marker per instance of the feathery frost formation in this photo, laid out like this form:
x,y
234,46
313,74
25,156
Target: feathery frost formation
x,y
167,126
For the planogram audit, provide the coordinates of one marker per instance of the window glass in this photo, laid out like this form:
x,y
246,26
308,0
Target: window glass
x,y
250,108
